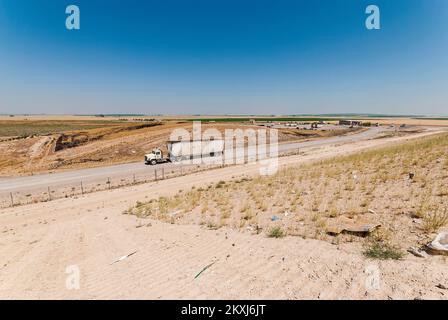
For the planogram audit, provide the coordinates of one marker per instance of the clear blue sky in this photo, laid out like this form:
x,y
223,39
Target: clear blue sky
x,y
224,57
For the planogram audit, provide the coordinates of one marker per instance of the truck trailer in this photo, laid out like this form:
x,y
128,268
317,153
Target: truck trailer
x,y
185,150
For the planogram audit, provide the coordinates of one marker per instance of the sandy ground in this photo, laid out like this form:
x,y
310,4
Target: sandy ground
x,y
38,242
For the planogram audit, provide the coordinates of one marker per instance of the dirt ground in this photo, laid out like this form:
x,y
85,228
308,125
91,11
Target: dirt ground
x,y
41,243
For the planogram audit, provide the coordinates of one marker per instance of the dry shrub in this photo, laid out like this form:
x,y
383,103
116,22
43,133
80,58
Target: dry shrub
x,y
379,246
433,221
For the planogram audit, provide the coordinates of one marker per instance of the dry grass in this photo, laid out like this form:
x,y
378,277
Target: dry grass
x,y
434,220
304,200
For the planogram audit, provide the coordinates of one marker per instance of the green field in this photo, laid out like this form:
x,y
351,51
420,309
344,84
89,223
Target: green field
x,y
26,128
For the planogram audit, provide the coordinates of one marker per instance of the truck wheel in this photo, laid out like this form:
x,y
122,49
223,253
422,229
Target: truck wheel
x,y
153,162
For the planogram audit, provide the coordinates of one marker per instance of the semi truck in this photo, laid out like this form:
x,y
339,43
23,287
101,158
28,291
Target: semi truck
x,y
185,150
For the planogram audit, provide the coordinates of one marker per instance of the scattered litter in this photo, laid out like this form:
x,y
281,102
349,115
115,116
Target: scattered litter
x,y
439,245
371,211
411,175
345,225
172,214
124,257
417,252
205,268
418,221
275,218
441,286
286,213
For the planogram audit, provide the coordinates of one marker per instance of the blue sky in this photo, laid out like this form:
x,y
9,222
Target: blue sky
x,y
224,57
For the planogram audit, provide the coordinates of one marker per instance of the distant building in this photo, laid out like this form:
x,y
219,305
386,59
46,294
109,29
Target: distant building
x,y
353,123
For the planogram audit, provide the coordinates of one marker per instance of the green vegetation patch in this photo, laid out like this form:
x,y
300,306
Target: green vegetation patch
x,y
41,127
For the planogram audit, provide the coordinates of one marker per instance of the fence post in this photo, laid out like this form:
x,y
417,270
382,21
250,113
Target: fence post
x,y
134,179
12,199
49,193
163,173
108,182
82,189
155,174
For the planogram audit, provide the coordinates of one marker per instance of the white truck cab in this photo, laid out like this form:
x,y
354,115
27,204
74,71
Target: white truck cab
x,y
156,156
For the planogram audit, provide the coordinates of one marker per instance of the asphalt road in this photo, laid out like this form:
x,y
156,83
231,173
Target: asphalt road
x,y
40,182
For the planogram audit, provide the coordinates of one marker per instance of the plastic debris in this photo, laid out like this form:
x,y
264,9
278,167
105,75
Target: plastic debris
x,y
124,257
441,286
172,214
439,246
358,227
205,268
417,252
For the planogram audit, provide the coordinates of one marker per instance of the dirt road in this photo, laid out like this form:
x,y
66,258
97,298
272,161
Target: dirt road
x,y
41,242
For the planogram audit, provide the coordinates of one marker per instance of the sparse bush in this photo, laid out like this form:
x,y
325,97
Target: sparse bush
x,y
276,232
220,184
433,221
442,191
333,213
379,246
212,226
383,251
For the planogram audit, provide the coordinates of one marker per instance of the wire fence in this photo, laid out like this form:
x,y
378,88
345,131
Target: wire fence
x,y
80,187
